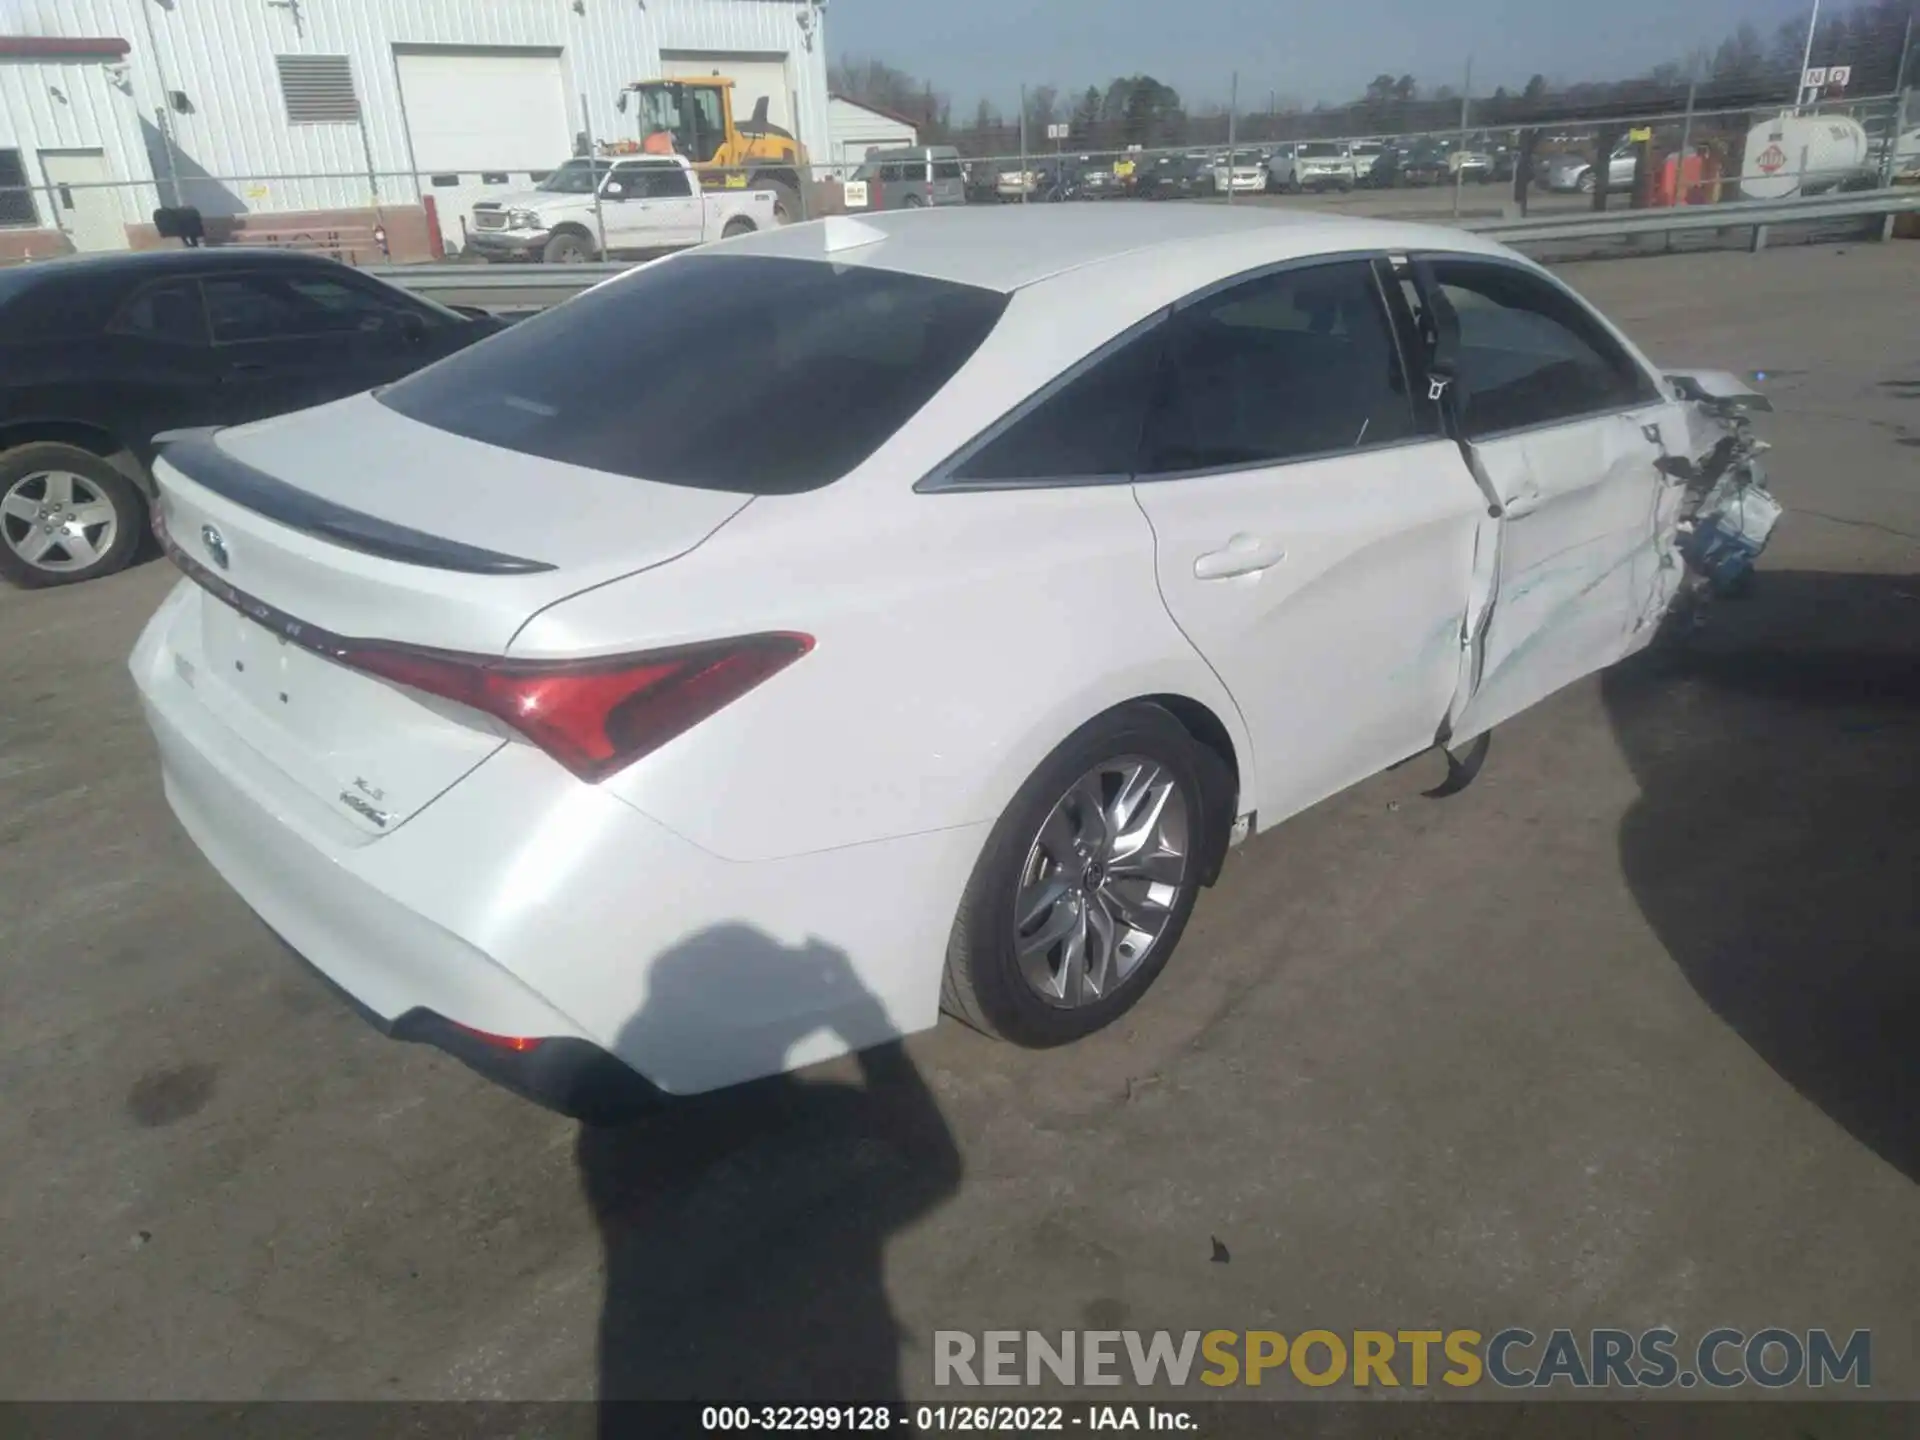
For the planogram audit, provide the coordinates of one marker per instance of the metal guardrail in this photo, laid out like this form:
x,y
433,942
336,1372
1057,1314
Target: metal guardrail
x,y
556,282
1733,215
481,276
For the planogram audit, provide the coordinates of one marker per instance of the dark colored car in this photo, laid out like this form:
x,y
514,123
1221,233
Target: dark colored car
x,y
100,353
1422,164
1174,177
1096,181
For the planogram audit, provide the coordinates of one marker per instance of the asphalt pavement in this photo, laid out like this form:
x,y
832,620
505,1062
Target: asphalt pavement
x,y
1623,1035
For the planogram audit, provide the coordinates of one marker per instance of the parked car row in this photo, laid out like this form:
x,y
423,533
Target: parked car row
x,y
1296,166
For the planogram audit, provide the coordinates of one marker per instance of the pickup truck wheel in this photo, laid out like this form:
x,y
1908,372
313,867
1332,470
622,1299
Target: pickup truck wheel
x,y
738,225
66,515
786,202
567,248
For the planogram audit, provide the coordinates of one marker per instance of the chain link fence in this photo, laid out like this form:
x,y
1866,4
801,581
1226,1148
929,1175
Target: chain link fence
x,y
1440,158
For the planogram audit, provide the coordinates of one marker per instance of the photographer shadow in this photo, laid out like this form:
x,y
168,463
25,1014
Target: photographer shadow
x,y
744,1230
1776,842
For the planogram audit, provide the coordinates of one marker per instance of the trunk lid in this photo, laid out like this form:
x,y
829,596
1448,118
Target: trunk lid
x,y
354,523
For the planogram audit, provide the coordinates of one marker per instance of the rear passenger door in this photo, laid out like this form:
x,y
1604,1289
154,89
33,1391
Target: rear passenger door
x,y
156,371
1315,532
1560,419
285,340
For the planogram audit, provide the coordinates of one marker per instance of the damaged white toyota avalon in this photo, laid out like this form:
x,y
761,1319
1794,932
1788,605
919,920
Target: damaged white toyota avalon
x,y
754,656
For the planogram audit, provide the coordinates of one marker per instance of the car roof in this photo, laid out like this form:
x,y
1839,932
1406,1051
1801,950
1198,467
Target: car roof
x,y
123,265
1006,248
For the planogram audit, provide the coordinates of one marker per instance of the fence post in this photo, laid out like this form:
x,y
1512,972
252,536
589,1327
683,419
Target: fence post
x,y
1233,126
1459,168
1023,145
599,220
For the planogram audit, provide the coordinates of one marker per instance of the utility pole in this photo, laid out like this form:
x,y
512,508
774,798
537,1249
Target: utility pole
x,y
1459,167
1806,59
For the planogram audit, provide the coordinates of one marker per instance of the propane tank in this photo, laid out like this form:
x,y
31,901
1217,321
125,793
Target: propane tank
x,y
1803,155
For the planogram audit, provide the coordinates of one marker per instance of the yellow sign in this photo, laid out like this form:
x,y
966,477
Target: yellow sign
x,y
736,182
1639,133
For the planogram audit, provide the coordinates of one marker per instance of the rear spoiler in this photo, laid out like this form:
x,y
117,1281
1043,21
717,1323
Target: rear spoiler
x,y
195,455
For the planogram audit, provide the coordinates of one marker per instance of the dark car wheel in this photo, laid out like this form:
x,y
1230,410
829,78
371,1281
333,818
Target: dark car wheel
x,y
738,225
66,515
1085,884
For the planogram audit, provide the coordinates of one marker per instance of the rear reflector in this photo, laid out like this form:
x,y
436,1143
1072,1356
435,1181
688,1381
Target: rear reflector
x,y
594,716
520,1044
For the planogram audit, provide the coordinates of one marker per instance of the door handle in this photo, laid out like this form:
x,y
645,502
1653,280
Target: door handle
x,y
246,367
1522,505
1244,555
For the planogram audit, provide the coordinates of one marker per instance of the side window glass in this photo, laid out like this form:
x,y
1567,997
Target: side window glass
x,y
1529,353
1089,427
1294,364
170,313
263,307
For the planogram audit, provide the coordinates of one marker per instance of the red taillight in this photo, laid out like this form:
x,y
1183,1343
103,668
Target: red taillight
x,y
520,1044
593,716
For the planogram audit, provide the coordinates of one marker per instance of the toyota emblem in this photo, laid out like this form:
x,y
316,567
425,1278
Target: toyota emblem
x,y
216,544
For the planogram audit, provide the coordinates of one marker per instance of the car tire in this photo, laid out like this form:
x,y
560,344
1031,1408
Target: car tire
x,y
1048,830
41,481
568,248
913,202
738,225
1585,184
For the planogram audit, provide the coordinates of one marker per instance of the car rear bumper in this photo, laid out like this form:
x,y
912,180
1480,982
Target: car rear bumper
x,y
523,904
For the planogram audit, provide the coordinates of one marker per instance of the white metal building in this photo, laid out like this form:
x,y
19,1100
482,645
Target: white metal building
x,y
314,113
855,129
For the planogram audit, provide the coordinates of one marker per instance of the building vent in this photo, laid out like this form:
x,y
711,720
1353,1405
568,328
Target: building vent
x,y
318,89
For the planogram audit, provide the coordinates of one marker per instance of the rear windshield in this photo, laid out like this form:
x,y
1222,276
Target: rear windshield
x,y
754,374
1317,149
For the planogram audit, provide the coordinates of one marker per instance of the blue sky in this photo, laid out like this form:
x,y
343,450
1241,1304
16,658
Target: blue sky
x,y
1303,51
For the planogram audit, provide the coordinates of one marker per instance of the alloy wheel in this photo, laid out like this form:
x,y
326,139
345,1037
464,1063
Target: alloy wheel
x,y
1101,881
58,521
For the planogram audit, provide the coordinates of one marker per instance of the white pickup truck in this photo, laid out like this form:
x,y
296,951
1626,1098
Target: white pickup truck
x,y
648,204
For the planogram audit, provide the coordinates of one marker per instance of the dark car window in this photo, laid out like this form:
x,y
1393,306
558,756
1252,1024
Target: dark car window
x,y
170,312
1088,427
665,183
947,170
755,374
283,307
1531,354
1296,363
653,182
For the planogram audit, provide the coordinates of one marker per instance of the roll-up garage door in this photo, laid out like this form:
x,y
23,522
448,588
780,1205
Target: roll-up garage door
x,y
482,122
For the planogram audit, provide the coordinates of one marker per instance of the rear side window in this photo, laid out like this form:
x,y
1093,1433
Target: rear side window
x,y
170,313
947,170
1088,428
1293,364
1531,354
755,374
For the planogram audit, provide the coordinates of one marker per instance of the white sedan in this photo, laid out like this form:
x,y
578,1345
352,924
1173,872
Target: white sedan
x,y
754,656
